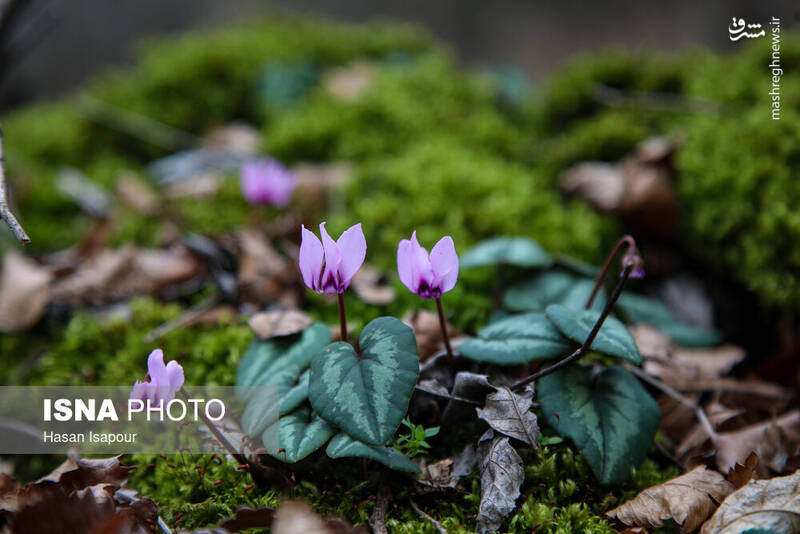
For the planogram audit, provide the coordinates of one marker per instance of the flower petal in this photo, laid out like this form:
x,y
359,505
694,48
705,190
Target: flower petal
x,y
405,268
333,259
444,262
156,368
420,264
311,255
353,249
175,375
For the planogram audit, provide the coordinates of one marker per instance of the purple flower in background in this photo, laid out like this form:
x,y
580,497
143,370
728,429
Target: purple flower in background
x,y
266,181
328,266
634,258
165,380
427,275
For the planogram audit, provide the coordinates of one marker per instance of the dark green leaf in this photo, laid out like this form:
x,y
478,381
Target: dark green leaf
x,y
368,396
300,433
519,251
613,338
516,340
611,417
344,446
548,288
640,309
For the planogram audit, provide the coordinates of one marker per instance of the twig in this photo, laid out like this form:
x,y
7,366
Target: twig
x,y
5,212
584,348
378,518
438,526
624,240
683,399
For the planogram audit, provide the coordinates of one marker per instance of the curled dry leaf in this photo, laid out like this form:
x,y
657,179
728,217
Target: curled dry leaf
x,y
502,474
688,499
717,415
370,287
741,474
439,475
294,517
774,441
510,414
265,275
278,323
24,292
769,505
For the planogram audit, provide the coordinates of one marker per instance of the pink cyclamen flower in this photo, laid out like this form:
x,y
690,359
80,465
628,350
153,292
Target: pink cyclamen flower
x,y
165,380
428,275
328,266
266,181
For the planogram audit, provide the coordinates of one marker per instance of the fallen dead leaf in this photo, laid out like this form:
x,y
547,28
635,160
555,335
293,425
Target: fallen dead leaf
x,y
767,505
774,441
133,193
294,517
741,474
502,473
688,499
265,275
277,323
439,475
510,414
717,415
428,332
370,287
246,518
24,292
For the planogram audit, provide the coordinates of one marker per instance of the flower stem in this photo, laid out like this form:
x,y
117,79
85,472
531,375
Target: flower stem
x,y
443,325
342,318
584,348
218,433
624,240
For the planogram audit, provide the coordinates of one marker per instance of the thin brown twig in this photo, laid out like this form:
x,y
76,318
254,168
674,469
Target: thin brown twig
x,y
5,212
438,526
683,399
624,240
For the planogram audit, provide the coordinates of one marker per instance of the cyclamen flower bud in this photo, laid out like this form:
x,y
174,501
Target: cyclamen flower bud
x,y
633,257
329,266
266,181
427,275
165,380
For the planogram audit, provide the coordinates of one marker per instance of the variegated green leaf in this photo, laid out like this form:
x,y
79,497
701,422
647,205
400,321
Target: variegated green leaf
x,y
519,251
343,446
611,417
300,433
517,339
613,338
367,396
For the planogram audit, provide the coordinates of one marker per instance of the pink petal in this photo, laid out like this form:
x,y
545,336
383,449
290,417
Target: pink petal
x,y
311,254
444,262
175,375
405,268
333,259
156,368
420,264
353,249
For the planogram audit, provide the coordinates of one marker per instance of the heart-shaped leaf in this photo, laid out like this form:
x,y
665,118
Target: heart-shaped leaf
x,y
519,251
613,338
367,396
300,433
639,309
611,417
555,287
516,340
343,446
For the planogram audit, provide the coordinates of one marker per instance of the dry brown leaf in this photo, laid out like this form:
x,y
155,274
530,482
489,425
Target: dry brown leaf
x,y
294,517
772,505
24,292
688,499
92,280
439,475
740,474
717,415
320,186
651,342
246,518
428,332
370,287
600,184
264,273
277,323
133,193
774,441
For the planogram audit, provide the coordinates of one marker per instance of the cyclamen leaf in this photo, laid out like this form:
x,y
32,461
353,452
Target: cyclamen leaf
x,y
613,338
548,288
343,446
519,251
610,417
639,309
502,473
368,396
516,340
510,414
300,433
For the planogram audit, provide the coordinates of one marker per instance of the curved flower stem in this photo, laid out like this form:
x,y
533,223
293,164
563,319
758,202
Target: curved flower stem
x,y
342,318
584,348
624,240
443,325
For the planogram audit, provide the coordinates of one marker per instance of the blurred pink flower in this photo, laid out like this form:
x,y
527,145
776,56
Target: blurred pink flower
x,y
329,266
266,181
165,380
427,275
